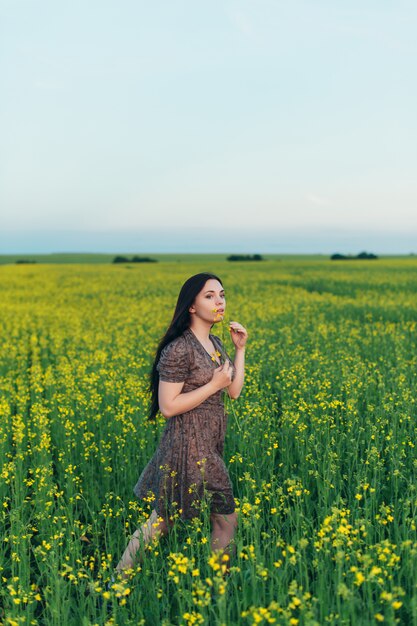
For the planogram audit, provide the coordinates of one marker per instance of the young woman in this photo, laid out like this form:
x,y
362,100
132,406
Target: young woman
x,y
190,372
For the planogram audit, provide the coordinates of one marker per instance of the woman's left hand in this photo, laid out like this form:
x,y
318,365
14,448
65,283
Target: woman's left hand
x,y
238,333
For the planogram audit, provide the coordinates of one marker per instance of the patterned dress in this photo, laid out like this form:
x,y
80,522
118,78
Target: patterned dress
x,y
187,468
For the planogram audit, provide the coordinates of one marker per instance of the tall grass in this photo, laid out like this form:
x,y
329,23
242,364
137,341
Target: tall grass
x,y
323,466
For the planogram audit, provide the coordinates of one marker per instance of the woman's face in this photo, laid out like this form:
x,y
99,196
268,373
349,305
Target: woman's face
x,y
210,303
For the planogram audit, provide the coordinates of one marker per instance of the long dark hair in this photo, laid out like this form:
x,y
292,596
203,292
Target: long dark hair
x,y
180,321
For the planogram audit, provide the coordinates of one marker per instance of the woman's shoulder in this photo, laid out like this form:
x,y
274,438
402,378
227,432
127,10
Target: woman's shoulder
x,y
177,344
174,360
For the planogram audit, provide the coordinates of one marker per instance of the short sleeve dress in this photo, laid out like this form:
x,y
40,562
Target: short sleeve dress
x,y
187,468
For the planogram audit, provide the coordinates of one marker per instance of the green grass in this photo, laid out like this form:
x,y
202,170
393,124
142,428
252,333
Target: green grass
x,y
323,469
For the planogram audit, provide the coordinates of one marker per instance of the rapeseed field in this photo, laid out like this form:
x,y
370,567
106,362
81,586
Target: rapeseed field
x,y
321,447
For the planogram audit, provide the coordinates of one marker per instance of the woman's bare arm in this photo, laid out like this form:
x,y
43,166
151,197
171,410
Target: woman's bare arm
x,y
235,387
239,337
173,402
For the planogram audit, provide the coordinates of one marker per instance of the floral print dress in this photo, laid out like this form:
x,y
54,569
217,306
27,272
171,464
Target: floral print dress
x,y
187,467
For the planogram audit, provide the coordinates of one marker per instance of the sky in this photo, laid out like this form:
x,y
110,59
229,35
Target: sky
x,y
223,126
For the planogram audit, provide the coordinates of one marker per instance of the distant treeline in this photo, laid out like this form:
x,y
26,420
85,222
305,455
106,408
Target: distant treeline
x,y
349,257
21,261
245,257
135,259
145,259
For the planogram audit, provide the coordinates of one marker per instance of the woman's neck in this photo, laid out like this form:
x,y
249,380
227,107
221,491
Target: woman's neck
x,y
200,329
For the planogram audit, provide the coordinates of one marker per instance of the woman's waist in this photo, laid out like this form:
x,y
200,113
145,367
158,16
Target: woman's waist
x,y
206,409
213,403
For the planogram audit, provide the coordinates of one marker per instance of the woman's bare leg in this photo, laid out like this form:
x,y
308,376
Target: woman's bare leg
x,y
223,531
140,538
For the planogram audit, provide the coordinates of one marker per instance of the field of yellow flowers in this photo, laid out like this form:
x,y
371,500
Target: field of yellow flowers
x,y
321,447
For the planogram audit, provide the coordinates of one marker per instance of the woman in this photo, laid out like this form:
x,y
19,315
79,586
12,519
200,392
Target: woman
x,y
189,374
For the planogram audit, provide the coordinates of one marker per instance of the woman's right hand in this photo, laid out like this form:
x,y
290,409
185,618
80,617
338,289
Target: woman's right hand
x,y
222,375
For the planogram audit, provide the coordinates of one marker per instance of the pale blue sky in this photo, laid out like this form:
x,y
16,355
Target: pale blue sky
x,y
260,126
